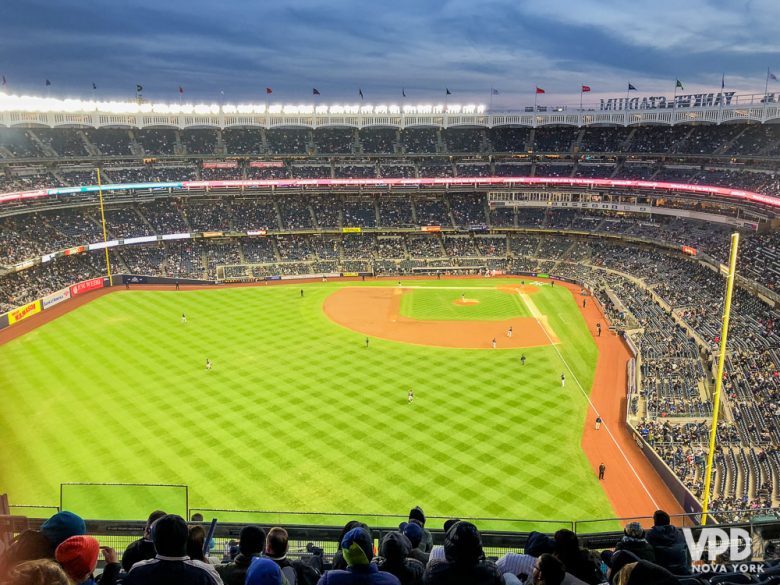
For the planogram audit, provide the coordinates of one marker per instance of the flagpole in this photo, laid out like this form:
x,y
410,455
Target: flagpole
x,y
536,93
581,97
674,103
628,93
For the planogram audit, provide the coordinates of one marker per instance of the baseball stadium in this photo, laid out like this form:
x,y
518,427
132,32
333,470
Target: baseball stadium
x,y
306,317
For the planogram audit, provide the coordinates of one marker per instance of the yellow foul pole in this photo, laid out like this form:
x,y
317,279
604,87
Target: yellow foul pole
x,y
719,378
103,221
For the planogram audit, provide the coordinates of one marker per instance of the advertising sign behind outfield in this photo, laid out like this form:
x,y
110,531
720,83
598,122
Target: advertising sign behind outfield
x,y
23,312
86,285
55,298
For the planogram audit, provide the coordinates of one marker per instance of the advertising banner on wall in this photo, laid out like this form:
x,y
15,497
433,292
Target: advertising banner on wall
x,y
55,298
22,313
86,285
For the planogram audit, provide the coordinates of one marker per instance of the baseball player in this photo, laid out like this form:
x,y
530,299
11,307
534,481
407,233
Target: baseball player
x,y
183,318
494,343
509,332
410,396
522,359
563,380
208,364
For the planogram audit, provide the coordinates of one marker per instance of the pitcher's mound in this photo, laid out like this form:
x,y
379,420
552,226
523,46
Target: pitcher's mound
x,y
466,302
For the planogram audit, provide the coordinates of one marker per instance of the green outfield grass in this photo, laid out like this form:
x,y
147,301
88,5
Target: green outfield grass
x,y
442,304
296,414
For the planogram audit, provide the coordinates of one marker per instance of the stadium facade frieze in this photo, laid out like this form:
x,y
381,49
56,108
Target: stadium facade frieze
x,y
131,115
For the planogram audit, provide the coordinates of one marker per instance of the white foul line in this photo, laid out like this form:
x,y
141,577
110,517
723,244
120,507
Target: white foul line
x,y
593,406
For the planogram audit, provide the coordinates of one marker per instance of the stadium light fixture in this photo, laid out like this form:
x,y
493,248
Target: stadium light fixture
x,y
36,104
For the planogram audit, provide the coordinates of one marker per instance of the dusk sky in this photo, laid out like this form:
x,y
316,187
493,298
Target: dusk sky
x,y
242,47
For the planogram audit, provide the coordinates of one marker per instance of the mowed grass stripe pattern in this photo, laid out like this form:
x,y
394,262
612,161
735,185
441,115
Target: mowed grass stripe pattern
x,y
443,304
296,414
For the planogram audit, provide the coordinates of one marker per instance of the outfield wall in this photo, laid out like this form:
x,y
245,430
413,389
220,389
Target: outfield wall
x,y
19,314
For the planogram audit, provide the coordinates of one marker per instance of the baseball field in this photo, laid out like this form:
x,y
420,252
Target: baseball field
x,y
306,404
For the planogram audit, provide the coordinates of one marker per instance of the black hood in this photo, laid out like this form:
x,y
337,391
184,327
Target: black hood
x,y
395,547
463,544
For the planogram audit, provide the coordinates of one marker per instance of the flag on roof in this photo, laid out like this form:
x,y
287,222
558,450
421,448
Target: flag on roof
x,y
268,90
631,87
772,76
93,85
679,84
447,89
403,92
723,81
315,91
4,81
181,89
360,91
48,83
138,88
585,88
493,91
539,89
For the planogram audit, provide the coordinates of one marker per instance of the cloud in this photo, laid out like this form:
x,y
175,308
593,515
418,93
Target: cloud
x,y
243,46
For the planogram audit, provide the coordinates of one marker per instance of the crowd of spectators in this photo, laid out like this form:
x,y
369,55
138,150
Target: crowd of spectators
x,y
171,551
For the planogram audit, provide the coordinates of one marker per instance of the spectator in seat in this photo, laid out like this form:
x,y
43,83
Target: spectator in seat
x,y
171,565
357,548
634,541
296,572
414,532
577,561
523,564
250,544
548,570
465,562
264,572
31,545
668,542
38,572
338,558
143,548
394,558
437,553
78,556
416,515
644,573
196,537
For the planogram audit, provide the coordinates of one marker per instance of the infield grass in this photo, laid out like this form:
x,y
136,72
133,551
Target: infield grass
x,y
296,414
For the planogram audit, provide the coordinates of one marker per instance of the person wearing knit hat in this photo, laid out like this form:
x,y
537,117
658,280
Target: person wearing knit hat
x,y
634,541
338,558
617,561
465,560
171,565
264,572
394,558
78,556
250,544
63,525
437,552
417,515
414,532
357,546
645,573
